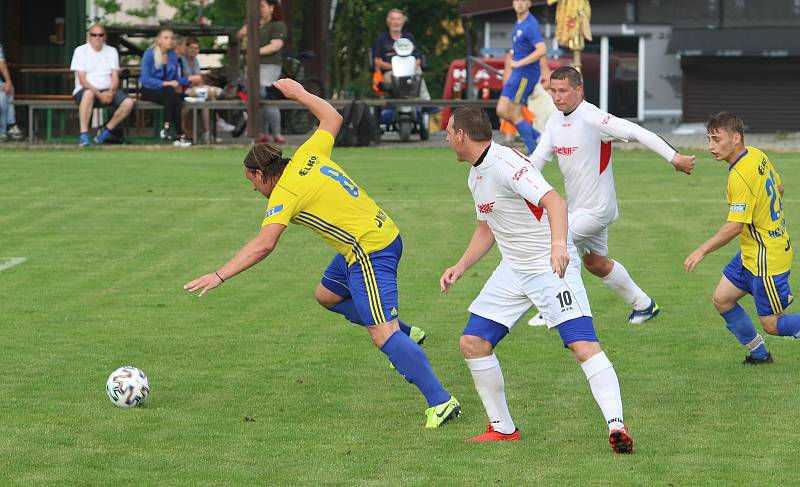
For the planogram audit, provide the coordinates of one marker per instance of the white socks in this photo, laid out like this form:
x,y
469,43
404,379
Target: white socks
x,y
621,283
605,388
491,388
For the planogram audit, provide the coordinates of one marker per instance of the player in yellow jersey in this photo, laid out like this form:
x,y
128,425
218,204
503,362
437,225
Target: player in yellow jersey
x,y
756,215
361,281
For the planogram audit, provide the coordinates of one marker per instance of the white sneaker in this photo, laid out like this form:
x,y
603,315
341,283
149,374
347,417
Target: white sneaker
x,y
14,132
537,320
224,126
182,141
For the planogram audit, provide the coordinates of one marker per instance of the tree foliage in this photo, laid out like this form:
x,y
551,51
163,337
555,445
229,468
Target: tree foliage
x,y
358,22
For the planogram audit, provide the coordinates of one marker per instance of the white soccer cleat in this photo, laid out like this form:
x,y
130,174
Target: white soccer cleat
x,y
537,320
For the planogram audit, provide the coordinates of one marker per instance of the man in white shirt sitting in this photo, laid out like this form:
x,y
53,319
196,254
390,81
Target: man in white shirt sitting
x,y
96,67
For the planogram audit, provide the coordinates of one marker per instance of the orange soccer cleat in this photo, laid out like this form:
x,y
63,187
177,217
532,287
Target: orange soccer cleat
x,y
492,435
621,441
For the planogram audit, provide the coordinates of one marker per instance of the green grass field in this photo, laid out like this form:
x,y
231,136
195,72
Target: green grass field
x,y
255,384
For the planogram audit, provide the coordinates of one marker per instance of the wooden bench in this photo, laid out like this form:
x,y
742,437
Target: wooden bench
x,y
66,102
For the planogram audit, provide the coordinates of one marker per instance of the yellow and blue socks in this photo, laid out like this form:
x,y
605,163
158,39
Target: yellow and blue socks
x,y
739,323
412,363
528,134
789,325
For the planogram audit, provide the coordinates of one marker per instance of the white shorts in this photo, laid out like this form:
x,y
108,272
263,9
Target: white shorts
x,y
509,294
588,233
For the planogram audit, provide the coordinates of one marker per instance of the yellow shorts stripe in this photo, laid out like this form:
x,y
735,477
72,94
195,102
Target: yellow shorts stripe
x,y
772,293
371,285
372,290
523,83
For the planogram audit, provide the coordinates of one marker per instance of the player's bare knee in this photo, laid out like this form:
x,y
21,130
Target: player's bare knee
x,y
326,298
722,303
770,324
475,347
583,350
600,266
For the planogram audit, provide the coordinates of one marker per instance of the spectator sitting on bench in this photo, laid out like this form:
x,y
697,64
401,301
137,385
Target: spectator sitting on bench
x,y
7,103
96,67
161,81
190,65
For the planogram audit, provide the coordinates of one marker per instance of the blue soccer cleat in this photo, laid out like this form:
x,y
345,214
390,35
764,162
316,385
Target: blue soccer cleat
x,y
84,140
103,136
640,316
750,360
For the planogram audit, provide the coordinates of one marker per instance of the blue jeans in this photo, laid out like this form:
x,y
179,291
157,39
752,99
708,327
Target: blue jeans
x,y
5,105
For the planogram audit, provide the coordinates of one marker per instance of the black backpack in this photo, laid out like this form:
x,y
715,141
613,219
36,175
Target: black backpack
x,y
359,127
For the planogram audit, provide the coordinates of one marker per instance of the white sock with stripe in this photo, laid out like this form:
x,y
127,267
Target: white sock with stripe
x,y
491,388
605,388
621,283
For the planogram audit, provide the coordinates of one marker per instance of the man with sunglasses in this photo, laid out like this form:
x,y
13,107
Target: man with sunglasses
x,y
96,67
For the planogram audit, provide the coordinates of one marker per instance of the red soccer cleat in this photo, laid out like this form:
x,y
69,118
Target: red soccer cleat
x,y
621,441
492,435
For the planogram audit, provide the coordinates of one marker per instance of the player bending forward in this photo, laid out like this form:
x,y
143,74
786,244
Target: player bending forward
x,y
756,216
361,281
580,134
519,210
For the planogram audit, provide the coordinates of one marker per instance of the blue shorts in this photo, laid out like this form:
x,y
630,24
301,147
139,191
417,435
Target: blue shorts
x,y
518,88
575,330
771,293
372,283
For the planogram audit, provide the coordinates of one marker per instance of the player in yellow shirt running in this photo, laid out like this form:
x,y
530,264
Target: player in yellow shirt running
x,y
361,281
756,215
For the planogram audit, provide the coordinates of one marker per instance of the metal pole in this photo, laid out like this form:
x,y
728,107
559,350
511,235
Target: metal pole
x,y
604,73
253,85
468,64
640,86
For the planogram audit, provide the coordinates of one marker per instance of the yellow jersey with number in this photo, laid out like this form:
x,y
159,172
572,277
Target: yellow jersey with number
x,y
754,199
316,192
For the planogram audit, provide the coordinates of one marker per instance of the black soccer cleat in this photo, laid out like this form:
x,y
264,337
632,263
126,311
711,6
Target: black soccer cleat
x,y
750,360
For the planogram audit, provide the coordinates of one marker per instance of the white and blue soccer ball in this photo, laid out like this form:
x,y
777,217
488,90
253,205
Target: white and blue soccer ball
x,y
127,387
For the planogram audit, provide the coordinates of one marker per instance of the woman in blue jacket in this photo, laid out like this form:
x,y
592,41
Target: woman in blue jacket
x,y
161,83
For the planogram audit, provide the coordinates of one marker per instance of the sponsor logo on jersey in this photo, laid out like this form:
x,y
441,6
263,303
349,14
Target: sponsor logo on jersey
x,y
778,232
309,165
566,151
738,207
566,125
274,211
486,207
607,119
520,173
394,311
762,167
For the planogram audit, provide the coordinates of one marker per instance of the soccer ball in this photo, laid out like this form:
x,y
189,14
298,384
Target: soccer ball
x,y
127,387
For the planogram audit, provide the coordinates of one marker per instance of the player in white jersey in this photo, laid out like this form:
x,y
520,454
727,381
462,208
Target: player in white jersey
x,y
580,134
520,211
